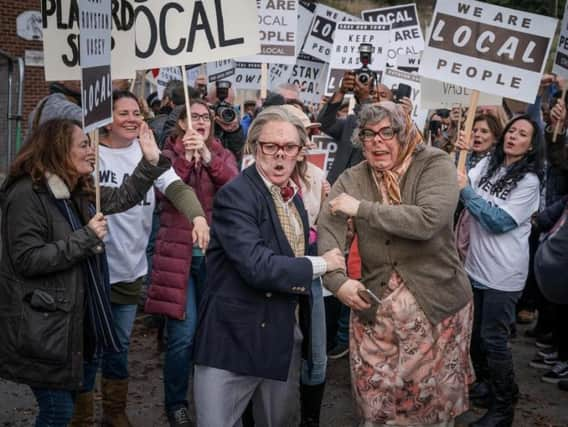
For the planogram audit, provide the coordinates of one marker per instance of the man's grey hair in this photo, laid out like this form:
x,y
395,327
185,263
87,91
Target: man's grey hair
x,y
374,113
274,114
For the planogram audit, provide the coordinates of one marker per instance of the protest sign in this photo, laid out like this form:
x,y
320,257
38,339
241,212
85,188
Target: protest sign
x,y
61,40
488,48
247,76
408,63
345,53
278,74
319,40
277,23
306,11
560,66
437,94
393,78
221,70
96,81
190,32
326,143
309,75
405,36
165,75
318,158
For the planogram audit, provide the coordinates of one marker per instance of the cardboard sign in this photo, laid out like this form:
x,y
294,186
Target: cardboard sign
x,y
164,76
221,70
489,48
406,34
345,52
319,40
408,63
277,22
326,143
318,158
437,94
247,76
306,11
309,75
61,39
393,78
278,74
560,66
96,81
190,32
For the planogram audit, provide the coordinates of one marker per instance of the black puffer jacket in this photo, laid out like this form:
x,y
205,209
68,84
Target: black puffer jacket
x,y
42,340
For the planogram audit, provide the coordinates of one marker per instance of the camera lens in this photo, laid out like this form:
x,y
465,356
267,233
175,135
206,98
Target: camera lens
x,y
227,114
363,78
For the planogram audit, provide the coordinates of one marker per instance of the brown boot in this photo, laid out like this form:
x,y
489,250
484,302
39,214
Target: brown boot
x,y
115,394
83,414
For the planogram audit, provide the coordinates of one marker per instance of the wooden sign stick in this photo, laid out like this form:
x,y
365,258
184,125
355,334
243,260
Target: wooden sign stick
x,y
95,141
187,107
473,100
263,81
562,97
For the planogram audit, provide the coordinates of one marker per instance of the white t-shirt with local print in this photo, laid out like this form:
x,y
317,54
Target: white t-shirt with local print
x,y
128,231
501,261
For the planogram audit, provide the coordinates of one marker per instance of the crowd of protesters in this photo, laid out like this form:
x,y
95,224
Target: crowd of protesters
x,y
417,271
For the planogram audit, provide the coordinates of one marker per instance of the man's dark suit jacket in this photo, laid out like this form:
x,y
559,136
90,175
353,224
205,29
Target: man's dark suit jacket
x,y
254,283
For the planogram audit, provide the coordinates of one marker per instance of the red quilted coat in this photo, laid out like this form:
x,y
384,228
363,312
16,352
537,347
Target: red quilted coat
x,y
172,254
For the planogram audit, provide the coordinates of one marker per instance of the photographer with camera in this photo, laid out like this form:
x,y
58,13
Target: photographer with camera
x,y
227,126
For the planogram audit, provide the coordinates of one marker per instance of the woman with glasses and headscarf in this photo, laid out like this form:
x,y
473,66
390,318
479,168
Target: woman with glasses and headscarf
x,y
412,311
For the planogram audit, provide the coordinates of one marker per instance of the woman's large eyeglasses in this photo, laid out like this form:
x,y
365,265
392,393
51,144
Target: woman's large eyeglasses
x,y
386,134
270,148
205,117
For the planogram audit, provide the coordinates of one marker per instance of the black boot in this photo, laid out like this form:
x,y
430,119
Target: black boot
x,y
501,411
311,397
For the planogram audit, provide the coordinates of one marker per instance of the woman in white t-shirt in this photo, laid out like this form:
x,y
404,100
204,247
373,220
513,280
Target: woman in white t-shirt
x,y
501,193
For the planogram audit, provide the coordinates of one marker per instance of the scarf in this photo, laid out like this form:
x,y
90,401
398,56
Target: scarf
x,y
98,322
388,181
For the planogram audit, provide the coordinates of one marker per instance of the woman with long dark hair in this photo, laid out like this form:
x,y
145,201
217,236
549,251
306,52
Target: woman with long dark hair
x,y
54,300
501,193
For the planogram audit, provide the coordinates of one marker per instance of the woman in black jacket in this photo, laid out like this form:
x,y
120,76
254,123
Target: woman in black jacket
x,y
54,304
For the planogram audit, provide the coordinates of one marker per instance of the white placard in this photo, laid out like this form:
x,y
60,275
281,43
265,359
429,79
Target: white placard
x,y
61,41
437,94
247,76
345,53
560,66
191,31
393,78
277,22
165,75
309,75
406,34
409,63
306,11
488,48
95,45
319,40
278,74
221,70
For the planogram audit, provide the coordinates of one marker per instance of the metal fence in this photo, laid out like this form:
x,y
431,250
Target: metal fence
x,y
11,104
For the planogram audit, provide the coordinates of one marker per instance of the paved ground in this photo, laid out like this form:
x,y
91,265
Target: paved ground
x,y
541,404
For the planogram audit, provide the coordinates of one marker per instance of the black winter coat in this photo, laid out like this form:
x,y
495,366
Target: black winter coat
x,y
42,346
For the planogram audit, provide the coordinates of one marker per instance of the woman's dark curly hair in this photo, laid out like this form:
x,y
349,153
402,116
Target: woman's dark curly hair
x,y
531,162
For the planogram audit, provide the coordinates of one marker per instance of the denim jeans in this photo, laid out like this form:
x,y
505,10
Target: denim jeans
x,y
55,407
177,360
316,375
114,365
494,313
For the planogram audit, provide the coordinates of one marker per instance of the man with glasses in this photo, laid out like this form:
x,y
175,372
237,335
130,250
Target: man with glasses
x,y
255,309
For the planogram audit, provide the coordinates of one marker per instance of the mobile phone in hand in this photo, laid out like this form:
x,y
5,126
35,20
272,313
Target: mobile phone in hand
x,y
369,297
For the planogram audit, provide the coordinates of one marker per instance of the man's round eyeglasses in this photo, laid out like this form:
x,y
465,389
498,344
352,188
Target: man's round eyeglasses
x,y
270,148
195,117
386,134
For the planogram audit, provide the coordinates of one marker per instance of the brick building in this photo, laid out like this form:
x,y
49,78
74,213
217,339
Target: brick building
x,y
34,86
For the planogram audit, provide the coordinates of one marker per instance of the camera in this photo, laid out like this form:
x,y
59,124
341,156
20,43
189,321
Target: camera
x,y
365,75
403,90
223,109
